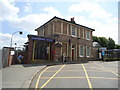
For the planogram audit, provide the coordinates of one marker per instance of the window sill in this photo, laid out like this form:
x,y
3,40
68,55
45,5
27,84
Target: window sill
x,y
81,56
88,56
73,35
87,39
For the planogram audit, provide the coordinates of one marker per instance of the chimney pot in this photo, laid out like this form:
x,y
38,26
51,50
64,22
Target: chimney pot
x,y
72,20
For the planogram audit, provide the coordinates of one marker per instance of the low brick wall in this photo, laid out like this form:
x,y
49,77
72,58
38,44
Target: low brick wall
x,y
24,60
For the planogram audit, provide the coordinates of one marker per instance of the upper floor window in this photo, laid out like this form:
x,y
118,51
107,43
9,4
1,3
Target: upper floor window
x,y
88,35
74,31
41,32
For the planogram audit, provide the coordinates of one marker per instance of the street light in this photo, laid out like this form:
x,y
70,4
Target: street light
x,y
20,32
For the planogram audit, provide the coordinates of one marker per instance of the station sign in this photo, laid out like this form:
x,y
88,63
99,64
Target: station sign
x,y
42,39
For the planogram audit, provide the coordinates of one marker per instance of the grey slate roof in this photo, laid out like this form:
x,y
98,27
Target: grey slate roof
x,y
65,21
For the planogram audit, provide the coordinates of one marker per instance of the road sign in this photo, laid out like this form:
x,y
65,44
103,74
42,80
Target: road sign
x,y
103,53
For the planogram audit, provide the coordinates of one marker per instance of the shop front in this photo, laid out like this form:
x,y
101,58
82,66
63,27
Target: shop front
x,y
40,49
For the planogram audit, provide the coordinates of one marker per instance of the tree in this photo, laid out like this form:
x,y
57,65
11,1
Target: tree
x,y
95,39
117,46
103,41
111,43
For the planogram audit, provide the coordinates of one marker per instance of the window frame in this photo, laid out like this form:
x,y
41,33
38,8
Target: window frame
x,y
88,55
75,31
88,35
81,55
42,32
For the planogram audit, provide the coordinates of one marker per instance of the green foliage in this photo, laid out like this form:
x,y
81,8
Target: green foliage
x,y
104,42
117,46
95,39
111,43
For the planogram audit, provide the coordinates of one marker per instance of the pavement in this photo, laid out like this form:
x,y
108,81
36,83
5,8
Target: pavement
x,y
19,76
94,75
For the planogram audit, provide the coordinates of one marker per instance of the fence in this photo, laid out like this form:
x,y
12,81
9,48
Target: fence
x,y
113,54
5,56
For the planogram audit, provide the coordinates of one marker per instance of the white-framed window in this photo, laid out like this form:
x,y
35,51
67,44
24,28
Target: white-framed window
x,y
88,51
88,35
73,31
83,33
41,32
81,50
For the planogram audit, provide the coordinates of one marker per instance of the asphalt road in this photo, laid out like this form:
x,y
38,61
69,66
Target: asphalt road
x,y
90,75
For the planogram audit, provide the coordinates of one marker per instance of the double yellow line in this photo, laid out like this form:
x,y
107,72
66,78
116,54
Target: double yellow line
x,y
36,86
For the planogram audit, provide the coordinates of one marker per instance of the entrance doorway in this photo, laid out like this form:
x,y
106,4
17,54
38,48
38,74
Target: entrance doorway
x,y
73,53
41,51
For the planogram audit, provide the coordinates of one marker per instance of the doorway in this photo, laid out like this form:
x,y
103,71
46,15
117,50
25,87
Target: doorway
x,y
73,53
41,50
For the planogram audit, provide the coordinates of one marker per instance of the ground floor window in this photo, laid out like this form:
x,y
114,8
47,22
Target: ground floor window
x,y
88,51
81,51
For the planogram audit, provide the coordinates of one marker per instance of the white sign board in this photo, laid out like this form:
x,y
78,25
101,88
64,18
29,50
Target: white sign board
x,y
103,49
12,52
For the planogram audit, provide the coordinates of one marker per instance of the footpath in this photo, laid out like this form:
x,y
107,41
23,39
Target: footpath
x,y
19,76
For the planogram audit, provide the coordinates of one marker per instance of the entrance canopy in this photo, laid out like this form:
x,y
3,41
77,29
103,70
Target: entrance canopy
x,y
40,47
40,38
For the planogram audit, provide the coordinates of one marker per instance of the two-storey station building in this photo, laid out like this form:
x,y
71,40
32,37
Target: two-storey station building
x,y
59,37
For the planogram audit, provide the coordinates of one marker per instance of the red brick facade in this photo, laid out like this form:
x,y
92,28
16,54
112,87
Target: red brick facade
x,y
70,35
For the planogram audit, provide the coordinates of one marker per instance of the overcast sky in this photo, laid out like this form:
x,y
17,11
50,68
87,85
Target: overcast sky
x,y
27,15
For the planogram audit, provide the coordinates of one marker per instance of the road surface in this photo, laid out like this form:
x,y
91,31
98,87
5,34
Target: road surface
x,y
90,75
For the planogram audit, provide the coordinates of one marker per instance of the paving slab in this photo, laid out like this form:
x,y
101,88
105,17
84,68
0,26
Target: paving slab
x,y
19,76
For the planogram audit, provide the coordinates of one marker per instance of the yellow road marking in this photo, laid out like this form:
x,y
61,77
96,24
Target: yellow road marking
x,y
89,83
36,86
103,78
52,77
80,77
63,70
77,70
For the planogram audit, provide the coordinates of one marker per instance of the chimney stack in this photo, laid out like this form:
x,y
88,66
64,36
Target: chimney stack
x,y
72,20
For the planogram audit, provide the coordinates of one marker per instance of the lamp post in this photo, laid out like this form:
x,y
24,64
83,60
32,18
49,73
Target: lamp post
x,y
9,59
20,32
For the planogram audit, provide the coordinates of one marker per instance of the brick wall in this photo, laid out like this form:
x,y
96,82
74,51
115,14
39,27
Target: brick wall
x,y
30,51
81,32
57,27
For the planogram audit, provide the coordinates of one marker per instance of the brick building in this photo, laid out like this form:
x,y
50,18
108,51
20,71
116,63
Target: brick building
x,y
59,37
